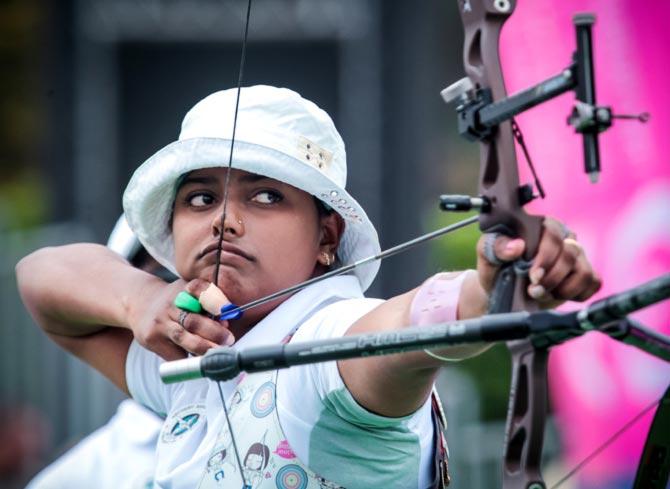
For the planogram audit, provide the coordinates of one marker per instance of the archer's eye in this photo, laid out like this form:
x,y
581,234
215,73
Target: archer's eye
x,y
200,200
267,197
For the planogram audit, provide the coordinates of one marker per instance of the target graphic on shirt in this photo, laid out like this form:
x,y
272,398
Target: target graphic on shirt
x,y
291,477
263,401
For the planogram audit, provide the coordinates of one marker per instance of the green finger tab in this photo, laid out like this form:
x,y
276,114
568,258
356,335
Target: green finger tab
x,y
187,302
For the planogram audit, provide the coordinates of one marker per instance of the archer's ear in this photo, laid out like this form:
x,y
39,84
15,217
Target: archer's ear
x,y
332,229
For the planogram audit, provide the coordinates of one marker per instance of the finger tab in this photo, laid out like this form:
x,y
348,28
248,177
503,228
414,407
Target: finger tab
x,y
213,300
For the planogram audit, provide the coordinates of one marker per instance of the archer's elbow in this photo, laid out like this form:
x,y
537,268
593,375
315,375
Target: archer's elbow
x,y
28,275
33,279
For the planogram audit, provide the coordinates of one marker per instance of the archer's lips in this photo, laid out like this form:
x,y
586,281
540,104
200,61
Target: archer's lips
x,y
226,248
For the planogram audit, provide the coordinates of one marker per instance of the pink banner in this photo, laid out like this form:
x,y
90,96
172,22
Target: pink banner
x,y
623,221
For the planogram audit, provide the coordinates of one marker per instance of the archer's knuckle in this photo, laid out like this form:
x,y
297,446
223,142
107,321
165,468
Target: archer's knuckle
x,y
571,255
571,247
151,335
200,347
552,226
220,337
556,237
596,284
177,333
551,279
213,331
190,322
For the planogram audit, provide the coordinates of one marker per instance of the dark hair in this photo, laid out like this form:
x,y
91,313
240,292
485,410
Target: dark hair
x,y
259,449
322,208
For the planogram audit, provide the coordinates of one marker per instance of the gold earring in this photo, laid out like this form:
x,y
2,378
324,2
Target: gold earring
x,y
327,258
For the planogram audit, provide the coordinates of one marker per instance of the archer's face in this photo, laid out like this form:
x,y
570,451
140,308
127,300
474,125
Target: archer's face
x,y
272,234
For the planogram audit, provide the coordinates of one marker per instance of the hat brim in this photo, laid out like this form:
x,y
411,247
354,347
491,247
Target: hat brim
x,y
149,197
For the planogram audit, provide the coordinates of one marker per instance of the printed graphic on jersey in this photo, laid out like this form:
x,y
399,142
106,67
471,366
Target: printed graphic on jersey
x,y
264,400
240,395
255,462
182,422
291,477
284,450
267,458
221,463
217,460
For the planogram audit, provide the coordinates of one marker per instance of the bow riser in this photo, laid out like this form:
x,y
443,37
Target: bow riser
x,y
499,176
499,184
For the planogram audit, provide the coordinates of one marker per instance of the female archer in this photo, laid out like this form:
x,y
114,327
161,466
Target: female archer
x,y
283,216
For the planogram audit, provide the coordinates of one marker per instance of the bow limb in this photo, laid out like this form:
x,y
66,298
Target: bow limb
x,y
499,184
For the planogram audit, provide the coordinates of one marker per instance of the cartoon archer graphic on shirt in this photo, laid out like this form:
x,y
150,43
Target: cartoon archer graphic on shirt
x,y
255,461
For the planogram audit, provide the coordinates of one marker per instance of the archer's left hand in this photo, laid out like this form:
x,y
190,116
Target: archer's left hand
x,y
560,270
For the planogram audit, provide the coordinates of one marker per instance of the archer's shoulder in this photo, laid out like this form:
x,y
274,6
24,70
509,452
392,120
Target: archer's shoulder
x,y
334,319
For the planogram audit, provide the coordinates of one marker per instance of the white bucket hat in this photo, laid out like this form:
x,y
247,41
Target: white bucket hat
x,y
279,135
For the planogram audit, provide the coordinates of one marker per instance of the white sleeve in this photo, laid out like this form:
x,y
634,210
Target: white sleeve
x,y
144,382
317,412
307,390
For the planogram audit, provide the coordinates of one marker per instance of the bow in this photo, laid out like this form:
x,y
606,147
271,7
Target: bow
x,y
486,115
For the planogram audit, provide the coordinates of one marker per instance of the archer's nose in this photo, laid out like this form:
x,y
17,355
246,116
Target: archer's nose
x,y
233,224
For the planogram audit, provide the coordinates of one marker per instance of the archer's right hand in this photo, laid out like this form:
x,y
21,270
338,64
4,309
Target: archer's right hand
x,y
163,328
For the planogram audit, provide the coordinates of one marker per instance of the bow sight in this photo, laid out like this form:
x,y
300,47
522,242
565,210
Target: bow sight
x,y
479,115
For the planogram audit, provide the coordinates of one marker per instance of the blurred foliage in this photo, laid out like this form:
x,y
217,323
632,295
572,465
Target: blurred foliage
x,y
491,370
456,251
21,201
22,194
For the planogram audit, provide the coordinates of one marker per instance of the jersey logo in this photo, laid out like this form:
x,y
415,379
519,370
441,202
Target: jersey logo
x,y
181,422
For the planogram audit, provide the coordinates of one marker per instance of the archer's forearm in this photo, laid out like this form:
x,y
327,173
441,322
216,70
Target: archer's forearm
x,y
79,289
396,385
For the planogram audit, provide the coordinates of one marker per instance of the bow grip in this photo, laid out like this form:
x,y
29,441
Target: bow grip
x,y
509,291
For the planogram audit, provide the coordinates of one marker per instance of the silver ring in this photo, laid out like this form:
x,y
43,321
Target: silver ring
x,y
489,252
182,318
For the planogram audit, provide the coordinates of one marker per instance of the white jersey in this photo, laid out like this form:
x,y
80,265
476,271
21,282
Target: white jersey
x,y
316,426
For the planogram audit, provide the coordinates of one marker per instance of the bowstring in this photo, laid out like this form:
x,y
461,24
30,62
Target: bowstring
x,y
222,230
232,437
232,144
